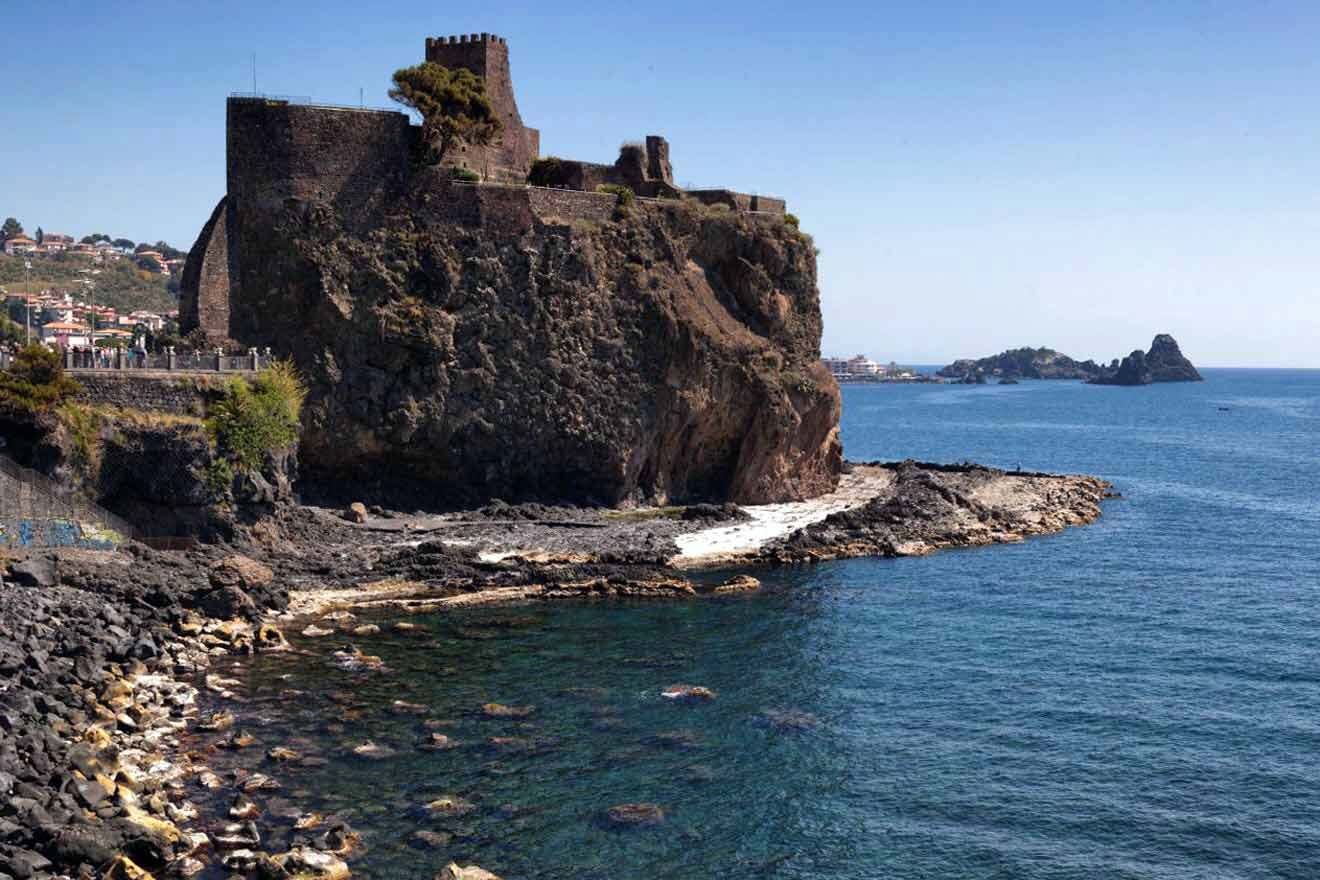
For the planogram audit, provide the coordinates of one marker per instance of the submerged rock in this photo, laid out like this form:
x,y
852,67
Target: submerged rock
x,y
790,719
631,815
373,751
687,693
452,871
450,805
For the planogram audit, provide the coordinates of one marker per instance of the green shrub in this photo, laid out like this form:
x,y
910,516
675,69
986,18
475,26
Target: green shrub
x,y
219,477
792,220
35,382
83,424
258,417
623,198
549,171
623,195
467,175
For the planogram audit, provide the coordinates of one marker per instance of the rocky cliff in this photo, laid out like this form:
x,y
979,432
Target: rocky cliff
x,y
1164,362
468,343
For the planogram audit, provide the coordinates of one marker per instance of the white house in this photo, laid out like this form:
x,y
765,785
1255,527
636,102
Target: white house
x,y
66,334
20,244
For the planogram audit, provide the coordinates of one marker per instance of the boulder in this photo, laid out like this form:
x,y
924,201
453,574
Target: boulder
x,y
38,572
452,871
227,602
309,864
240,571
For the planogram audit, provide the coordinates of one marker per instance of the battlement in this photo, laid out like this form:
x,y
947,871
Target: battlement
x,y
487,55
464,38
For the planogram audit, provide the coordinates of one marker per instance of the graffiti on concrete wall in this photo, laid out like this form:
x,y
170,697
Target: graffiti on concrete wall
x,y
23,534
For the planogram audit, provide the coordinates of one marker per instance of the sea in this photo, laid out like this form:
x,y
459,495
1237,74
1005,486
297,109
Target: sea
x,y
1137,698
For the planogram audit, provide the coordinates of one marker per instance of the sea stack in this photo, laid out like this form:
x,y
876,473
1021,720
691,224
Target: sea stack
x,y
1164,362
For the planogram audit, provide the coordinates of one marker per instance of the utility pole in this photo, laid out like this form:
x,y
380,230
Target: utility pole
x,y
27,300
254,74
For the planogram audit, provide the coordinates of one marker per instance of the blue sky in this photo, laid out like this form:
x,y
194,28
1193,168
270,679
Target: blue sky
x,y
978,175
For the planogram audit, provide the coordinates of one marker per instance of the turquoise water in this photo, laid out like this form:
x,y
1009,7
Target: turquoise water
x,y
1136,698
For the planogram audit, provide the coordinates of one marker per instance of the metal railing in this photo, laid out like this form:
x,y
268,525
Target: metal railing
x,y
84,360
306,101
35,496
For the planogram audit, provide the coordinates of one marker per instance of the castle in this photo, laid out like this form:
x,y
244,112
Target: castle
x,y
358,162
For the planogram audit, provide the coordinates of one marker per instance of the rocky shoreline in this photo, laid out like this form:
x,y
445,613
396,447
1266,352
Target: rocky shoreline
x,y
106,655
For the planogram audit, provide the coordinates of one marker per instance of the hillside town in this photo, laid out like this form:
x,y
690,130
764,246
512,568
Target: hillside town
x,y
54,290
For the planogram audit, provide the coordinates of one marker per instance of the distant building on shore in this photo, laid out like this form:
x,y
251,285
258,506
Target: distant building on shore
x,y
853,367
860,368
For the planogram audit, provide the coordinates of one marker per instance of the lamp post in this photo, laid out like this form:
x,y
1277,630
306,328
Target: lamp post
x,y
91,294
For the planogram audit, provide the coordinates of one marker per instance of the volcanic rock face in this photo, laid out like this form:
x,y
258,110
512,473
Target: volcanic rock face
x,y
1164,362
668,354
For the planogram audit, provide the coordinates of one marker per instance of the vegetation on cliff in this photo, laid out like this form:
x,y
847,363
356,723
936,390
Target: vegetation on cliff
x,y
252,424
453,105
35,383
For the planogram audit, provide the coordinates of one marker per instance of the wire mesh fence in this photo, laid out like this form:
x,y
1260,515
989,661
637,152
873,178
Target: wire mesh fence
x,y
29,495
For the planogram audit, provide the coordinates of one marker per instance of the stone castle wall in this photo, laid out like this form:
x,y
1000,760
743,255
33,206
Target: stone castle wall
x,y
355,160
359,162
739,201
206,278
152,391
511,157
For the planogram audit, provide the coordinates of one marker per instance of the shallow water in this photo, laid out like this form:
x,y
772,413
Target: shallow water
x,y
1136,698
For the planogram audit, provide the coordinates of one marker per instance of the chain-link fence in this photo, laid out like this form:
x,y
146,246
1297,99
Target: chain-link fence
x,y
34,497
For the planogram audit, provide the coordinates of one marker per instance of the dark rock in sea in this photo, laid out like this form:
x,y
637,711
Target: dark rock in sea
x,y
1164,362
1008,381
687,693
527,512
790,719
499,710
930,506
1023,363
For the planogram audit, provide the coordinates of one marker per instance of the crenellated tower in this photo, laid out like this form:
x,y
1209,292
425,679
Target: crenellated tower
x,y
487,55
